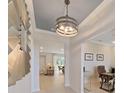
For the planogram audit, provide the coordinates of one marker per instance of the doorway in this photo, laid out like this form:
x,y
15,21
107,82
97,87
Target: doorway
x,y
51,72
58,61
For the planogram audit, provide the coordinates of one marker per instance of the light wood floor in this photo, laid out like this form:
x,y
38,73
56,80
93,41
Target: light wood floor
x,y
55,84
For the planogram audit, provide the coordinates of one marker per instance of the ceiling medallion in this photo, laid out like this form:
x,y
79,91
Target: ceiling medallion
x,y
65,25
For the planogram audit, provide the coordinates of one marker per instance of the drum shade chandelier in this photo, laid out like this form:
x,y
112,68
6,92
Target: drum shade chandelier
x,y
65,25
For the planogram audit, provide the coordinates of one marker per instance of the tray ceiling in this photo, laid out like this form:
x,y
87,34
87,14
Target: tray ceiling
x,y
105,38
47,11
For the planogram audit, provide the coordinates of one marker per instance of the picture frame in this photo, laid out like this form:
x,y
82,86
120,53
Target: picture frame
x,y
100,57
88,56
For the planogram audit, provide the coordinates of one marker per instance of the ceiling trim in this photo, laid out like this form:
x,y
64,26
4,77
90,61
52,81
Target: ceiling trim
x,y
105,22
47,36
98,13
45,31
112,29
102,43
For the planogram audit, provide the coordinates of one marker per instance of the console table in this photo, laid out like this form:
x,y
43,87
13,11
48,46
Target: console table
x,y
106,77
50,72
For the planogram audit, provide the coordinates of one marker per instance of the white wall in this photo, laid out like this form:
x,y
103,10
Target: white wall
x,y
49,59
107,51
75,68
113,57
42,63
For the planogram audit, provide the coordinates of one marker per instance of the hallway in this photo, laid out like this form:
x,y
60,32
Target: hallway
x,y
53,84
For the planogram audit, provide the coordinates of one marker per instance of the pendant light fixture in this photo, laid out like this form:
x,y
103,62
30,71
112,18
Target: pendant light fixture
x,y
65,25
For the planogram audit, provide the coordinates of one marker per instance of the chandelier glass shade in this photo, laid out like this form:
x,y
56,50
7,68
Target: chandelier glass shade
x,y
65,25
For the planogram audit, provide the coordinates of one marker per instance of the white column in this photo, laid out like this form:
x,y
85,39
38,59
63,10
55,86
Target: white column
x,y
35,69
82,72
34,50
67,59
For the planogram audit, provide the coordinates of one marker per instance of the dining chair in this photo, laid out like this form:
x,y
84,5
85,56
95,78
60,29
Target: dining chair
x,y
101,69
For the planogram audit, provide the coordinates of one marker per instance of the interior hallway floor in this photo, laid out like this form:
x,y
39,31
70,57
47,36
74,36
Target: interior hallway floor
x,y
53,84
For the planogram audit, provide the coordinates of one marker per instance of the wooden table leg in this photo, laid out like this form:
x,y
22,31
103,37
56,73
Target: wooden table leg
x,y
101,82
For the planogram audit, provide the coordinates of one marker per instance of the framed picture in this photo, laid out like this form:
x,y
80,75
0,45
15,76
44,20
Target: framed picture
x,y
88,56
100,57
